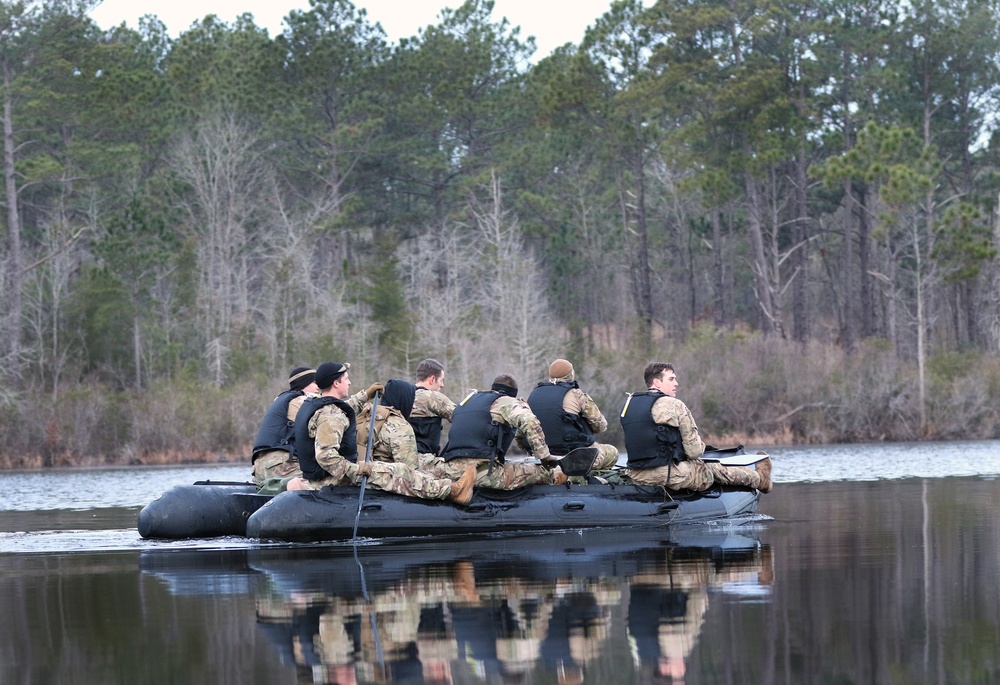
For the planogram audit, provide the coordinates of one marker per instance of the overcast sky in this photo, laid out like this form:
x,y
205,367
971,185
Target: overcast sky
x,y
551,22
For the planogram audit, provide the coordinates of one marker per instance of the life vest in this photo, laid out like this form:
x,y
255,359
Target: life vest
x,y
564,432
276,431
649,444
474,433
306,445
427,430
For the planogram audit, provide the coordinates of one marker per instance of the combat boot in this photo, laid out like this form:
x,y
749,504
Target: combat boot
x,y
461,489
764,471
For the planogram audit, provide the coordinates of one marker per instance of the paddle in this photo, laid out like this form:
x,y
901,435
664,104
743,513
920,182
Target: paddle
x,y
368,458
371,614
354,537
577,462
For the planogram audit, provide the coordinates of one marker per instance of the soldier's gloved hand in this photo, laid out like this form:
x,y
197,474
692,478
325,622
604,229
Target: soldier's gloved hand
x,y
374,388
364,468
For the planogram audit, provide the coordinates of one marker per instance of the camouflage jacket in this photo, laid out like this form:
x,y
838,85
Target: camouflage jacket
x,y
671,411
394,439
516,413
431,403
328,425
576,401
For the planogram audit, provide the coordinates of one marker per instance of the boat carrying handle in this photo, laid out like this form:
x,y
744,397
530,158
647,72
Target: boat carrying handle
x,y
575,505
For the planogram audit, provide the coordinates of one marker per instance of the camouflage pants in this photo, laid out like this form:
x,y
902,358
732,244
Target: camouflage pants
x,y
274,464
433,464
607,457
507,476
403,480
696,475
389,476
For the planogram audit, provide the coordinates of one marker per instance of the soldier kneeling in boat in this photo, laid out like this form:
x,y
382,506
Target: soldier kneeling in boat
x,y
663,444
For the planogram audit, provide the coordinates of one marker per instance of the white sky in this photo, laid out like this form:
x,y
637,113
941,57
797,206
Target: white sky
x,y
551,22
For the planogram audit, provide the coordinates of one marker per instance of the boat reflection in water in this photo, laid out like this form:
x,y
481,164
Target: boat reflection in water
x,y
628,604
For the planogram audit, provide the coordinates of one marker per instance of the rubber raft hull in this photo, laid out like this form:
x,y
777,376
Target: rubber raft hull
x,y
202,510
329,514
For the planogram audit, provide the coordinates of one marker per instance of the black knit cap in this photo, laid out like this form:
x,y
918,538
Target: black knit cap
x,y
328,372
400,394
300,377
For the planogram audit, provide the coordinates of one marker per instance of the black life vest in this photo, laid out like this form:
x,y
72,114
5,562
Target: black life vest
x,y
276,431
306,445
564,432
474,433
649,444
427,430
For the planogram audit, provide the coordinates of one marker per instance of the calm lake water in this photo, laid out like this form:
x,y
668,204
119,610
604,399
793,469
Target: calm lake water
x,y
868,564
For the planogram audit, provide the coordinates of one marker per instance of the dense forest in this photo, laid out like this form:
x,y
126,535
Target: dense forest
x,y
794,202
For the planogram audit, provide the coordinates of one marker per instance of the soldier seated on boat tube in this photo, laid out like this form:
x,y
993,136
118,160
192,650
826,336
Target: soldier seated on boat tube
x,y
394,437
570,418
326,436
430,407
663,444
274,448
483,426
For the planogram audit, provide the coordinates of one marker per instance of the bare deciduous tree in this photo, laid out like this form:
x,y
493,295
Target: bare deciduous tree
x,y
490,314
226,174
512,290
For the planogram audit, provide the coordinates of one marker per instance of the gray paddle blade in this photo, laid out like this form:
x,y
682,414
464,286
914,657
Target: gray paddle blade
x,y
579,461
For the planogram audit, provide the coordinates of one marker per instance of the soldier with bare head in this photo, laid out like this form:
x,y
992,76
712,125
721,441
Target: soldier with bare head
x,y
430,407
663,444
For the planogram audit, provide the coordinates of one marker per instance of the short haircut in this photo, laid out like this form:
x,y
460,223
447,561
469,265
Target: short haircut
x,y
653,371
429,368
505,379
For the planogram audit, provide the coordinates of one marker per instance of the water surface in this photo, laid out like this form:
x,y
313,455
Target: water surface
x,y
867,564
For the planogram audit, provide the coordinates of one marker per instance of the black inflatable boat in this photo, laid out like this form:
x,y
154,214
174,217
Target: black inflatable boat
x,y
206,509
330,513
215,509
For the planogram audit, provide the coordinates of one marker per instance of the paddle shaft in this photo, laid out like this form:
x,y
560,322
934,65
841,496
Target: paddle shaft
x,y
368,458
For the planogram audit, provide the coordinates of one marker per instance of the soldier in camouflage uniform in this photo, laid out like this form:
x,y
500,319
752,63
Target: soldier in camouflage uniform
x,y
394,438
430,407
482,428
274,454
663,444
331,422
569,416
